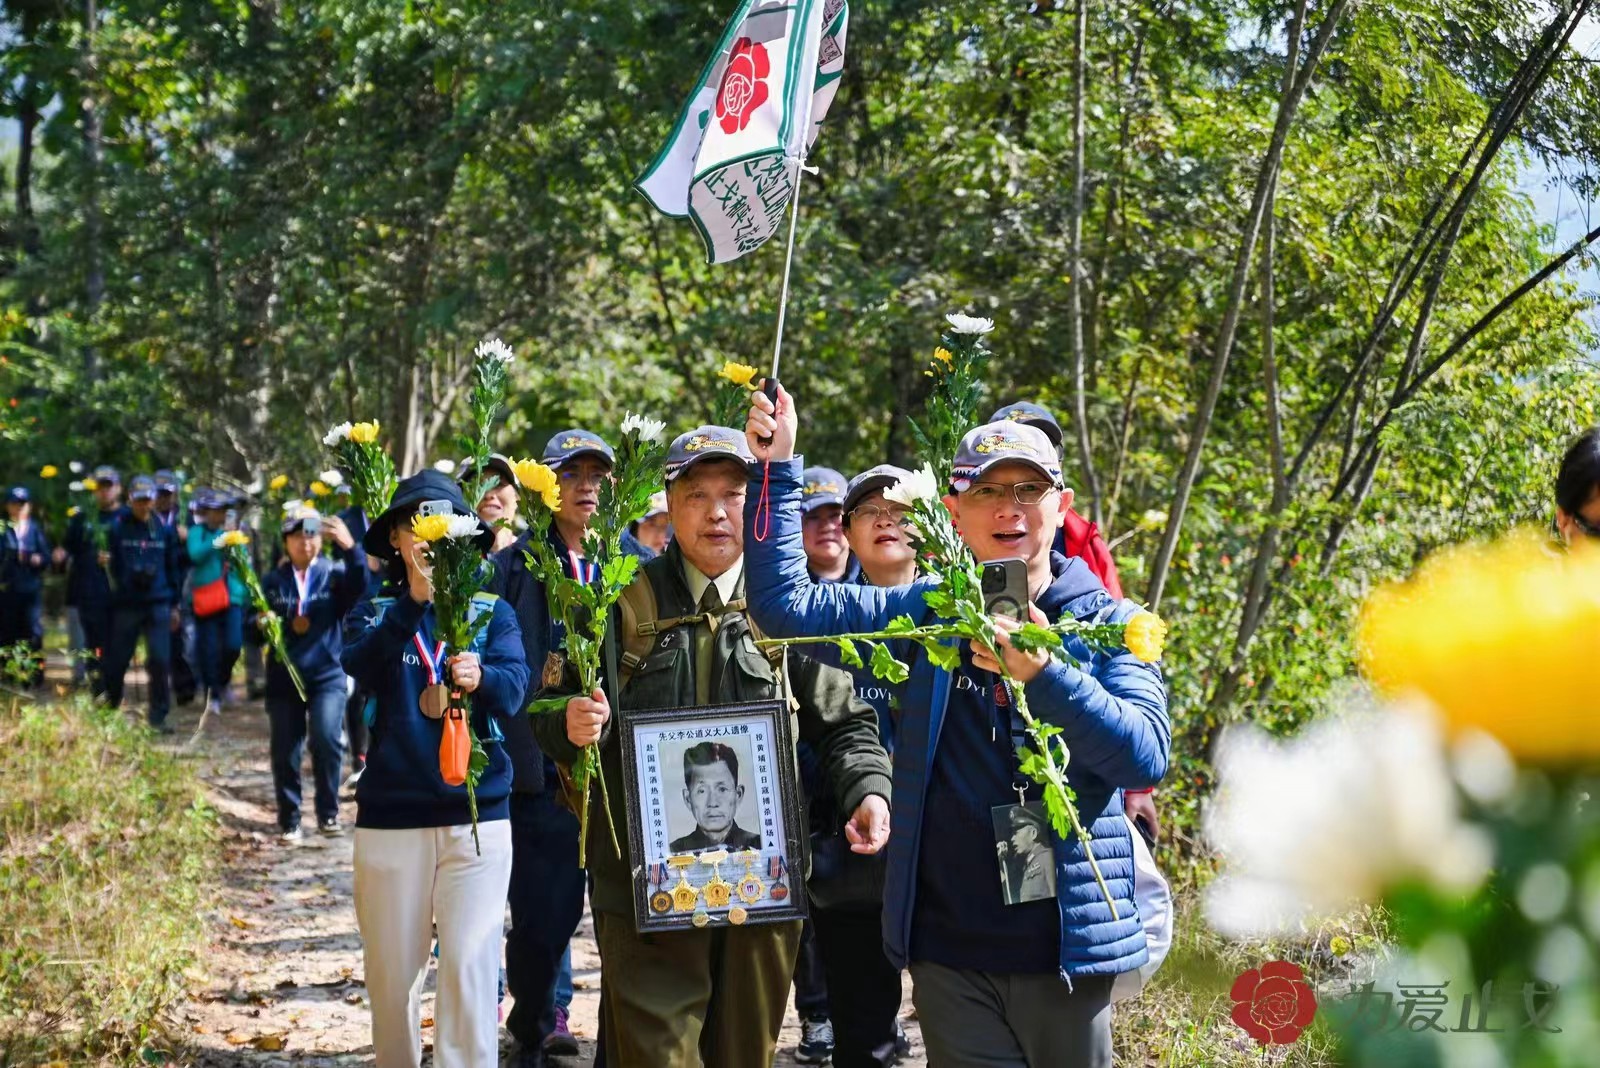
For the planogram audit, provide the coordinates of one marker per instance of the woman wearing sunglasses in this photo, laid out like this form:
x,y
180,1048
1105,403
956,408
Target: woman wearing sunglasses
x,y
416,865
1578,490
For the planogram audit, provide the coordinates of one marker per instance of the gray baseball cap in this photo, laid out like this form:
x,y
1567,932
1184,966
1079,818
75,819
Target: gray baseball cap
x,y
870,481
820,486
705,443
1033,415
1006,441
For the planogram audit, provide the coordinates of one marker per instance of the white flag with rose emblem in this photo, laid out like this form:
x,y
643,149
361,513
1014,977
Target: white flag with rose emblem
x,y
729,164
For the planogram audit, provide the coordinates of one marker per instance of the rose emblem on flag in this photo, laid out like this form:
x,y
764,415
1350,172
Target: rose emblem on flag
x,y
1273,1003
744,85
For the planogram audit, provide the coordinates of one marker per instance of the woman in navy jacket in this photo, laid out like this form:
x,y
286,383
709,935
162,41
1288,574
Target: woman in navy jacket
x,y
416,865
311,595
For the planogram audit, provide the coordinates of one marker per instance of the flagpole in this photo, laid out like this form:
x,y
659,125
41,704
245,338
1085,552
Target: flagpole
x,y
794,217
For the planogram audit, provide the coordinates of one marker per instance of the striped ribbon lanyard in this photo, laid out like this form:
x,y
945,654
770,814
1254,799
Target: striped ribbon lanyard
x,y
433,664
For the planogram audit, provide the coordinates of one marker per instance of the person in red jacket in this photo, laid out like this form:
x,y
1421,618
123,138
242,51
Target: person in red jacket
x,y
1080,537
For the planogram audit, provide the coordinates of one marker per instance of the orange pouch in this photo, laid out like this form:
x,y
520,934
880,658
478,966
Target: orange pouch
x,y
455,748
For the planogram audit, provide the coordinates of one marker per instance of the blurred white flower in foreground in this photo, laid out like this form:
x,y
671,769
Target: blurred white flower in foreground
x,y
1355,804
444,466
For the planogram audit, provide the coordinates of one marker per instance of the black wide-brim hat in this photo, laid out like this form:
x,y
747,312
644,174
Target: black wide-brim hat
x,y
427,485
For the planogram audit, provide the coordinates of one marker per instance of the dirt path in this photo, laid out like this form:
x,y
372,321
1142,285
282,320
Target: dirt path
x,y
283,984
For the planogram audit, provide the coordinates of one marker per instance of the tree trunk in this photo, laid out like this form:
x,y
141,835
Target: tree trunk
x,y
1266,181
1075,272
94,268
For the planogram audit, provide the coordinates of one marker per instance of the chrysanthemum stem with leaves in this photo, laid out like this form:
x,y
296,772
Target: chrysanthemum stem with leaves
x,y
491,379
585,607
366,465
235,545
958,367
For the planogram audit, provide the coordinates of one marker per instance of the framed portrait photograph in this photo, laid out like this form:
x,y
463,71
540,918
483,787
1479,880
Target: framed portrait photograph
x,y
714,828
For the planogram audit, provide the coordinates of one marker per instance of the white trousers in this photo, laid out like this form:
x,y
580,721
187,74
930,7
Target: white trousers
x,y
406,882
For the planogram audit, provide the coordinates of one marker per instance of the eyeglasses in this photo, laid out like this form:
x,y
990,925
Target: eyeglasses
x,y
996,493
871,513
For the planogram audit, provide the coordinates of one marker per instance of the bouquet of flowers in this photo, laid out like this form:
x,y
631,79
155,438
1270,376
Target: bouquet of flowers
x,y
958,367
370,470
457,572
957,600
235,545
585,607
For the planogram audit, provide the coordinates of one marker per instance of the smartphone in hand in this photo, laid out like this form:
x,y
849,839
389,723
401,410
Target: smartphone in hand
x,y
1005,588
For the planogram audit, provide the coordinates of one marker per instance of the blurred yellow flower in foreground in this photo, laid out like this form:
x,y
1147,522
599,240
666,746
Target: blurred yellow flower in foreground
x,y
48,471
1502,637
430,527
278,482
230,538
320,488
364,433
91,484
1146,636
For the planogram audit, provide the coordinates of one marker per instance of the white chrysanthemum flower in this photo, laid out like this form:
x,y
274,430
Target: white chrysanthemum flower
x,y
968,324
75,467
331,476
255,487
338,434
463,526
647,429
494,349
294,506
920,485
1355,804
75,487
445,467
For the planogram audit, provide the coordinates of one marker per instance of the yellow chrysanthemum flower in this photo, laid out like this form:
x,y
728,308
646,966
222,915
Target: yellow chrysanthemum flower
x,y
740,374
430,527
320,488
942,355
1450,632
91,484
74,510
534,476
1145,635
48,471
278,482
232,538
552,498
364,433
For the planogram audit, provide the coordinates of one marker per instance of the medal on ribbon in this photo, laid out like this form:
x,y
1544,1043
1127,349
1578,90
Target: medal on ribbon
x,y
435,696
718,890
683,895
301,622
660,901
775,868
751,888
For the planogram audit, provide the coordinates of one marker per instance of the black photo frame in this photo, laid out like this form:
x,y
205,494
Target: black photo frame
x,y
708,781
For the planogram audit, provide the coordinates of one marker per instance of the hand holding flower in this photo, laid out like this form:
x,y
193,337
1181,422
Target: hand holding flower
x,y
586,718
1024,667
466,671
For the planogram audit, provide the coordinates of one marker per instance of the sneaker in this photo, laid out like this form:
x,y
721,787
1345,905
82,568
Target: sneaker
x,y
330,828
816,1041
560,1042
291,834
213,707
902,1041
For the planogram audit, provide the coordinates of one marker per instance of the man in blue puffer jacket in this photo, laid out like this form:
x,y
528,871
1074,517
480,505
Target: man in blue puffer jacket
x,y
1024,984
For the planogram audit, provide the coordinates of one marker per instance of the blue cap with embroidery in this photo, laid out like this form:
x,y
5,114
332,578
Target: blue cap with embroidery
x,y
820,486
1005,441
18,495
870,481
569,445
1030,414
142,488
705,443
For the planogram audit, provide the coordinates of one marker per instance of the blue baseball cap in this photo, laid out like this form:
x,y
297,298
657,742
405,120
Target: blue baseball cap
x,y
705,443
18,495
571,444
870,481
1006,441
166,482
104,475
142,488
820,486
1030,414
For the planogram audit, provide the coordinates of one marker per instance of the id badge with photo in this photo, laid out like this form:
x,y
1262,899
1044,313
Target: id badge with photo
x,y
1024,851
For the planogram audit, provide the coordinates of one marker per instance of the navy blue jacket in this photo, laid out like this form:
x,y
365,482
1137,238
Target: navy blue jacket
x,y
145,561
402,787
19,576
88,585
1113,714
333,589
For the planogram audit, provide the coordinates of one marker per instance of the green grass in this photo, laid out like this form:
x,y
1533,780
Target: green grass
x,y
1183,1017
107,862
